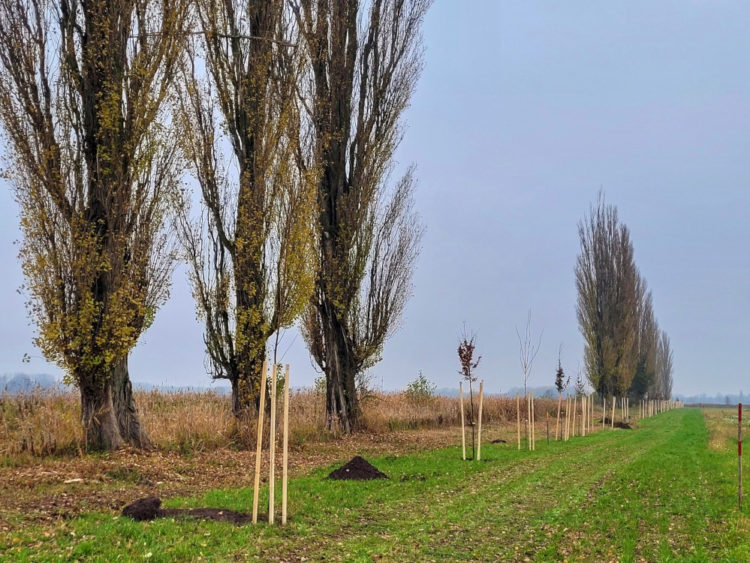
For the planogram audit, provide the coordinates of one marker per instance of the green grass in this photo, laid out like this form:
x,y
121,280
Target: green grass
x,y
655,493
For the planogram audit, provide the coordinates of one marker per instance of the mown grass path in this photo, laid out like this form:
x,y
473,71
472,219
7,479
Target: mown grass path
x,y
654,493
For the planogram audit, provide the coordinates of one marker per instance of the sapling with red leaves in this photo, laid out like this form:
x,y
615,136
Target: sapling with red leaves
x,y
466,349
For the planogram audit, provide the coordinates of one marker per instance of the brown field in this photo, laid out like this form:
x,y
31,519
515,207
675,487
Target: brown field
x,y
722,425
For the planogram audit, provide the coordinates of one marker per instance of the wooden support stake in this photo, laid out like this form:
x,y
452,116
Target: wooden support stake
x,y
557,426
604,410
548,428
570,414
518,418
533,423
528,420
463,429
739,454
479,430
587,402
272,449
614,402
573,426
583,415
259,443
285,455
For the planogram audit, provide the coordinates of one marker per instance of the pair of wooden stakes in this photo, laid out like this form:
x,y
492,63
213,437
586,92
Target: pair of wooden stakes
x,y
479,426
272,446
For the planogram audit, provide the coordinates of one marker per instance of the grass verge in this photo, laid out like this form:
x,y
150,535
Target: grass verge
x,y
654,493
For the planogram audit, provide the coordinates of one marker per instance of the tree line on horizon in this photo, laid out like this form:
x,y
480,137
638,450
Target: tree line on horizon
x,y
625,351
285,113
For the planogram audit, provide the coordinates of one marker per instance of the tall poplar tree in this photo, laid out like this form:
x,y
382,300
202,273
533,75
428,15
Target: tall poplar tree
x,y
93,166
608,282
648,338
364,60
251,252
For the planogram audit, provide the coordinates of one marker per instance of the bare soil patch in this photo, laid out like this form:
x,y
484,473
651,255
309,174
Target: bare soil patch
x,y
149,508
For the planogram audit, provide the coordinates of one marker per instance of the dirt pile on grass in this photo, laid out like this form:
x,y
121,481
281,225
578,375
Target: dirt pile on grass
x,y
358,469
148,508
618,424
143,509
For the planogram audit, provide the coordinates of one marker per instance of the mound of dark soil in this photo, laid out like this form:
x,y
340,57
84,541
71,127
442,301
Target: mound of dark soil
x,y
618,424
358,469
499,441
143,509
149,508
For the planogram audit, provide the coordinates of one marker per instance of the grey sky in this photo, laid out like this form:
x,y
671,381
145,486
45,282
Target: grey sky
x,y
524,111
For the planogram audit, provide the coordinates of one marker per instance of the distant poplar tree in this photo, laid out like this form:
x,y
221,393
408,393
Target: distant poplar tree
x,y
648,336
607,281
662,385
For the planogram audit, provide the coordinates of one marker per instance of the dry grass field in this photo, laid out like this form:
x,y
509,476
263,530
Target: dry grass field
x,y
42,424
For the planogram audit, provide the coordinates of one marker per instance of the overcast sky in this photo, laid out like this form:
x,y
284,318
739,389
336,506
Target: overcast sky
x,y
524,111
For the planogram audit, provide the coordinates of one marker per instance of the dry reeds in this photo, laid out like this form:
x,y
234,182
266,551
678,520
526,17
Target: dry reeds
x,y
46,423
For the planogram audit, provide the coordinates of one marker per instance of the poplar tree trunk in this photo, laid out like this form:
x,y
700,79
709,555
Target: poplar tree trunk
x,y
342,404
251,332
101,431
128,420
109,415
246,385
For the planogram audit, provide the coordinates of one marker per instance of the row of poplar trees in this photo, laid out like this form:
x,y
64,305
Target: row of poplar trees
x,y
284,113
626,353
